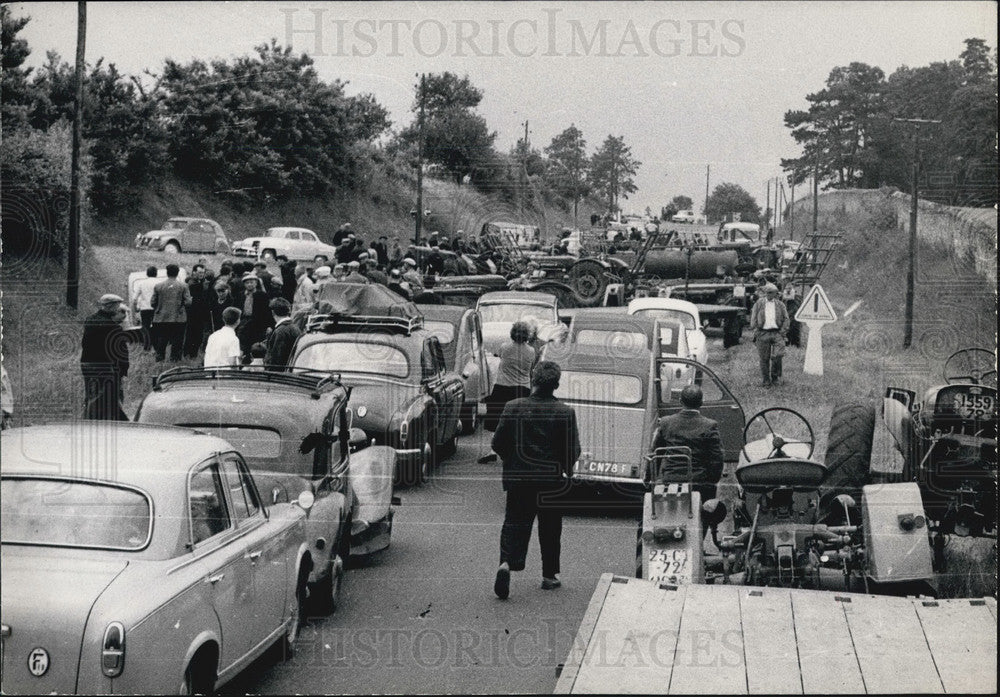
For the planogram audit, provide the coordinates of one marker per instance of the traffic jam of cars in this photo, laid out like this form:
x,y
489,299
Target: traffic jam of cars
x,y
213,528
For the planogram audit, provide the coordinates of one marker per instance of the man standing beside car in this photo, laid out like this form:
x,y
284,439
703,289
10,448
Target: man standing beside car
x,y
770,322
170,301
538,441
281,340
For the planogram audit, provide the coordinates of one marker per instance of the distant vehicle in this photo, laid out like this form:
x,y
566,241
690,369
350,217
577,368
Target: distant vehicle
x,y
286,243
524,236
740,234
141,559
686,216
676,310
193,235
402,393
460,332
499,310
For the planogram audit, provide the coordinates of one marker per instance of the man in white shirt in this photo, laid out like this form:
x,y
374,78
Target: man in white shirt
x,y
142,305
223,346
770,322
305,290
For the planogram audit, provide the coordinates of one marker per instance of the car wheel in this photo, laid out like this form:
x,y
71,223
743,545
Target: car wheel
x,y
172,248
470,418
326,593
848,452
199,678
418,472
299,610
268,255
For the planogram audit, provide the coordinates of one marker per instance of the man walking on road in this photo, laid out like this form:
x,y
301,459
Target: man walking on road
x,y
770,322
537,440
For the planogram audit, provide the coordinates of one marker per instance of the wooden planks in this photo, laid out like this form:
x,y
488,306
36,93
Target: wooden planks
x,y
772,660
639,638
965,661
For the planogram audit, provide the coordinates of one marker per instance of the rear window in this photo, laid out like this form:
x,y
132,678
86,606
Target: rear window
x,y
175,225
65,513
254,443
686,320
354,357
601,388
444,331
515,312
617,340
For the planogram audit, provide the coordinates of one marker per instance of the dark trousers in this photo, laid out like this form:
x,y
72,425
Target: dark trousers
x,y
523,507
770,349
146,317
103,397
194,336
168,333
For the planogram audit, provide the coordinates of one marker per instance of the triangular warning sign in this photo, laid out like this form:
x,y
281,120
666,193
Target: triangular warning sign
x,y
816,307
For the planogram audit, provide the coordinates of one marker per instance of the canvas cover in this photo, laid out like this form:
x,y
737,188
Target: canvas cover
x,y
372,299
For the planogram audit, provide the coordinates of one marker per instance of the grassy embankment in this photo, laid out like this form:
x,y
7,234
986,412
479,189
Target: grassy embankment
x,y
863,351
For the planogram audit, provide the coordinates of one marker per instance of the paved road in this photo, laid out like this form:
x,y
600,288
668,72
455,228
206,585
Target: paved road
x,y
421,616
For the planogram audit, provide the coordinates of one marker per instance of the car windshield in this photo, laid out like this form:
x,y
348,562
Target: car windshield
x,y
602,388
354,356
512,312
444,331
686,320
67,513
275,232
175,225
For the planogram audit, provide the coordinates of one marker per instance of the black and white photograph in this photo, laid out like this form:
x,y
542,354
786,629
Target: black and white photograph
x,y
483,347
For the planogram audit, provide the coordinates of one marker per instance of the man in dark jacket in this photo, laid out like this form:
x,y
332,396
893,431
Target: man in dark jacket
x,y
381,249
170,302
281,340
104,359
699,433
200,288
256,317
537,440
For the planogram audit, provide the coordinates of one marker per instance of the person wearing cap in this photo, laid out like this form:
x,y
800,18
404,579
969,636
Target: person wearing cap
x,y
170,302
256,319
353,273
397,285
770,322
412,276
104,359
342,232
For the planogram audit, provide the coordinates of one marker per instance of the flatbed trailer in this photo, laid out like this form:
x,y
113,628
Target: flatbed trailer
x,y
638,636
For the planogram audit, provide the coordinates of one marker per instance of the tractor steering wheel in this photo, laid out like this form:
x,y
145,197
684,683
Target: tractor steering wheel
x,y
783,427
975,365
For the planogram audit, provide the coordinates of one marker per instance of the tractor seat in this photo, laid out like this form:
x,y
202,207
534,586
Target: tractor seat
x,y
764,475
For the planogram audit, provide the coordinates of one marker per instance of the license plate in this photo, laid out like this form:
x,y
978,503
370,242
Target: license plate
x,y
974,406
669,566
607,469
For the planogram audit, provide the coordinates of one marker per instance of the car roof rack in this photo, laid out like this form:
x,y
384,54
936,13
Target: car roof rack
x,y
317,381
335,322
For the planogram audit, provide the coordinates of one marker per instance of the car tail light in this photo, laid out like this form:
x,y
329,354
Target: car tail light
x,y
404,431
113,651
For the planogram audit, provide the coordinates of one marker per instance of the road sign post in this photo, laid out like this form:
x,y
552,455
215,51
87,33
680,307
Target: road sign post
x,y
814,312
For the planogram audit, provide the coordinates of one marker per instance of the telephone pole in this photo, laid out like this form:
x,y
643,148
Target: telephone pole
x,y
791,212
73,244
911,269
708,173
815,195
419,220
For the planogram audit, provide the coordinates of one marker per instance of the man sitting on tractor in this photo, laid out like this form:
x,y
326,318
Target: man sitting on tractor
x,y
699,433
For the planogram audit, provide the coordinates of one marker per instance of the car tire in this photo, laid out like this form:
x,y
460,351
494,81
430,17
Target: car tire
x,y
200,675
588,281
172,248
326,592
299,611
268,255
470,418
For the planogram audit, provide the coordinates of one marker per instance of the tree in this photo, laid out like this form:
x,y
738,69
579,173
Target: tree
x,y
730,198
455,137
15,92
834,131
566,170
612,171
682,203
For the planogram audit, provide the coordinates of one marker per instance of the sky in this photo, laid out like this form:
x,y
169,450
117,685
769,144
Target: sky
x,y
690,85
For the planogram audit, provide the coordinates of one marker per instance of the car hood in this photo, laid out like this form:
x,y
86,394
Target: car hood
x,y
248,242
158,233
46,601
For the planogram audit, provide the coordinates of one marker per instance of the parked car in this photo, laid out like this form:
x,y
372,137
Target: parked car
x,y
682,311
285,243
141,559
461,335
613,396
613,329
402,393
687,216
196,235
500,309
271,417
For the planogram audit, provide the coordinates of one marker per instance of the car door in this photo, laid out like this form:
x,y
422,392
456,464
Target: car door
x,y
261,548
309,246
673,374
230,577
476,384
444,388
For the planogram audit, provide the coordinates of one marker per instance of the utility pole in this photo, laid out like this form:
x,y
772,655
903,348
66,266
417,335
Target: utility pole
x,y
73,245
767,206
708,173
815,195
419,220
911,269
791,212
777,205
524,170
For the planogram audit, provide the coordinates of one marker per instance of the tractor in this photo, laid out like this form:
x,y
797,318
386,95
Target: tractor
x,y
948,441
